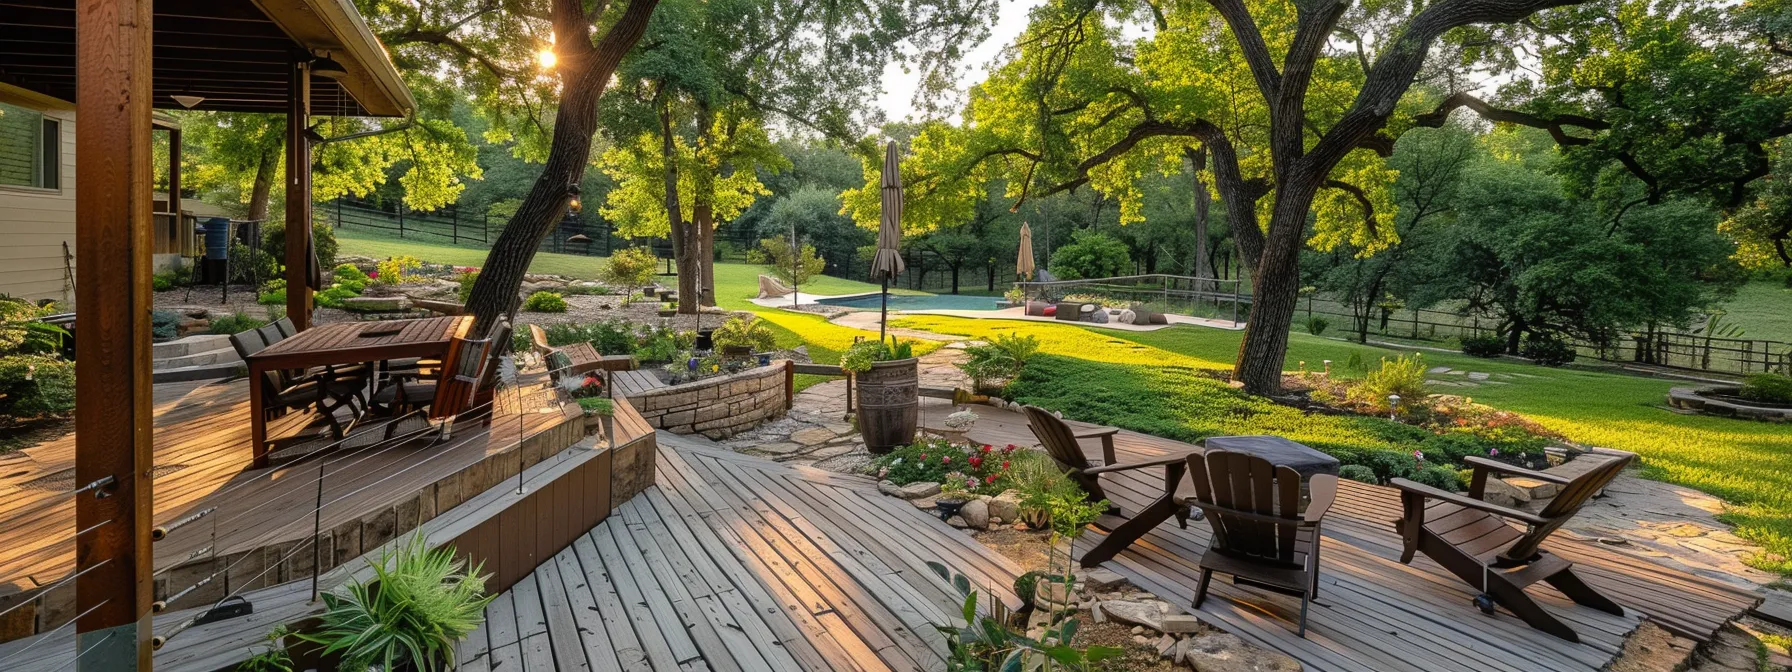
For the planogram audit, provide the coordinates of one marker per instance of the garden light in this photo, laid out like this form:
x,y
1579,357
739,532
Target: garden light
x,y
1393,407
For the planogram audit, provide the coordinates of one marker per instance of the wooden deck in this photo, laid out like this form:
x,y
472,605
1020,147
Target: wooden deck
x,y
631,383
1375,614
737,563
202,460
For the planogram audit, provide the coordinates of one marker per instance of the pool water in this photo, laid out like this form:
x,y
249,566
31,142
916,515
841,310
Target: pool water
x,y
916,302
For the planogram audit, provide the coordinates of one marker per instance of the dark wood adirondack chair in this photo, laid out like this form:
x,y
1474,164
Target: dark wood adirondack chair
x,y
1261,537
1060,442
1474,540
449,394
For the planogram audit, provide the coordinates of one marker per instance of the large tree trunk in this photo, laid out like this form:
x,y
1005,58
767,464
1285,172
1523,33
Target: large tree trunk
x,y
585,71
260,194
1276,289
683,234
1197,159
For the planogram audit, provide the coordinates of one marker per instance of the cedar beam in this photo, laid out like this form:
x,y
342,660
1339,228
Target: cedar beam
x,y
298,196
174,204
113,395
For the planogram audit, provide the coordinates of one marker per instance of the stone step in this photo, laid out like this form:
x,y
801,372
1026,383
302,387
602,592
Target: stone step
x,y
202,372
225,356
192,345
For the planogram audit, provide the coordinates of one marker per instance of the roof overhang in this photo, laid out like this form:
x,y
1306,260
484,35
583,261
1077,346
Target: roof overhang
x,y
235,55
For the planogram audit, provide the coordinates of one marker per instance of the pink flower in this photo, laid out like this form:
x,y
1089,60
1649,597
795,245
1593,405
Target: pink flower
x,y
945,459
923,456
972,482
1493,451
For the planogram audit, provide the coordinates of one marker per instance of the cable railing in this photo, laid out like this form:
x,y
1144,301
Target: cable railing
x,y
343,473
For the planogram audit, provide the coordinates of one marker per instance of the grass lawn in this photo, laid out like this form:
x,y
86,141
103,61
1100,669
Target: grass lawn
x,y
1763,309
1100,375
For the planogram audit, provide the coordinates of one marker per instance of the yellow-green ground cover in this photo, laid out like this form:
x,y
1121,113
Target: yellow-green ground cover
x,y
1142,381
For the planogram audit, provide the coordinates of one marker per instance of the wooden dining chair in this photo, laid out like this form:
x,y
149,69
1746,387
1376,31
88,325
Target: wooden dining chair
x,y
448,395
1476,541
282,391
1261,537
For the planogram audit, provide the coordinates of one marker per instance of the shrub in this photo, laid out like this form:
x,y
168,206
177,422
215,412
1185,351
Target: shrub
x,y
1489,346
355,286
1389,464
937,461
333,296
1404,376
750,332
164,325
272,298
1548,351
1090,254
1316,325
273,243
391,270
1026,584
544,302
1001,360
466,281
610,337
21,333
1768,387
36,385
860,357
236,323
659,345
1440,477
418,606
346,272
162,282
1358,473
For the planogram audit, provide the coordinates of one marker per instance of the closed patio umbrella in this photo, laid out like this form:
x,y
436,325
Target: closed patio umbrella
x,y
888,262
1023,265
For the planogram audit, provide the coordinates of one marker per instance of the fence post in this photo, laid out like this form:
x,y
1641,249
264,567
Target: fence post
x,y
338,212
1234,303
401,219
454,232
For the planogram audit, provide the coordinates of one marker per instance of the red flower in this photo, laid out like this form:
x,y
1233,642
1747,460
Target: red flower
x,y
987,448
923,456
1009,448
1004,465
976,462
990,481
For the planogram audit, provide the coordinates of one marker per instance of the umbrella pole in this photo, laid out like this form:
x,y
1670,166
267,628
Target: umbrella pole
x,y
884,309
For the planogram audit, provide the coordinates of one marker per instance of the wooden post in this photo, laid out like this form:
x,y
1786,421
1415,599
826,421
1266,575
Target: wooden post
x,y
113,239
174,203
789,384
298,195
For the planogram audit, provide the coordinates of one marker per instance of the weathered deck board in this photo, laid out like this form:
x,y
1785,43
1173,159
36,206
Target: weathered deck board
x,y
735,563
1374,613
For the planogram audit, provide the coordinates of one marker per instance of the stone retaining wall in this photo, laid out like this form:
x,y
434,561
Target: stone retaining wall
x,y
721,406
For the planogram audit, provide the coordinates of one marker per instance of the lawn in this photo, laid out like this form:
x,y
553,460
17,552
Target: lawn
x,y
1763,309
1105,372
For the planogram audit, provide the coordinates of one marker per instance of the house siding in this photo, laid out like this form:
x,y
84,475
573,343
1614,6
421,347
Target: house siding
x,y
34,224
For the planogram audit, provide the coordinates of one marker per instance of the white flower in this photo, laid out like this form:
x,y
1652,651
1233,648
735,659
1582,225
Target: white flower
x,y
895,461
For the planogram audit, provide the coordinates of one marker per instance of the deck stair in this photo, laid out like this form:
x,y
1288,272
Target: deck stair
x,y
202,357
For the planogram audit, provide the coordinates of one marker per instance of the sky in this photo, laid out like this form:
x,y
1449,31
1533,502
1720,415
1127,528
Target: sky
x,y
898,96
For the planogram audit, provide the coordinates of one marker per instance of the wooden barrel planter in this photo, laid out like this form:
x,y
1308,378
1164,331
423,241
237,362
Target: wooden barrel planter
x,y
889,404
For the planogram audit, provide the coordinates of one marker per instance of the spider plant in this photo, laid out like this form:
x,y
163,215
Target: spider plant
x,y
420,602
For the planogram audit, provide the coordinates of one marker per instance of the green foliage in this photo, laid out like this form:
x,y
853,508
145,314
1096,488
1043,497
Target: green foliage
x,y
596,405
348,272
164,325
1404,376
614,336
465,284
1316,325
272,298
630,268
274,658
985,642
20,332
273,242
1440,477
162,282
1769,387
813,211
545,302
332,296
36,385
999,361
860,357
234,323
1488,346
1091,254
1547,350
659,345
420,603
1026,584
1358,473
748,332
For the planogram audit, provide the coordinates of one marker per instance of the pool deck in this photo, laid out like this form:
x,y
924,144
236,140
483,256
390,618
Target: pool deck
x,y
849,319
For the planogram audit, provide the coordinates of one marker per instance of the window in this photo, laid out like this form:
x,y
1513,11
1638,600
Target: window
x,y
30,149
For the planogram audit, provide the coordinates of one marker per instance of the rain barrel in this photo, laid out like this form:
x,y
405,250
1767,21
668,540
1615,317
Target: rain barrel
x,y
217,238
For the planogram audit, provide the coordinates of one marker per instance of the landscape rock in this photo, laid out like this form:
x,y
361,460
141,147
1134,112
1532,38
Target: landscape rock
x,y
1181,624
957,521
1006,505
975,513
1500,493
1222,652
1099,579
1137,613
813,436
917,490
781,448
376,304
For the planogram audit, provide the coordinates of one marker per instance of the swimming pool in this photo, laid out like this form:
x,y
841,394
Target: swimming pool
x,y
916,302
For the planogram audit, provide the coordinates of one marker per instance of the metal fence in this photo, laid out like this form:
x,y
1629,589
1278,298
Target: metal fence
x,y
1660,347
448,224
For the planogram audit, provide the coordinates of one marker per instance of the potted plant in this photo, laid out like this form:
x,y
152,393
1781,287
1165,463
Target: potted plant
x,y
668,310
421,602
889,388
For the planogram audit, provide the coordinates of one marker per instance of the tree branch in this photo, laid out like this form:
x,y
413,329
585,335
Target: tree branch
x,y
1361,199
1554,124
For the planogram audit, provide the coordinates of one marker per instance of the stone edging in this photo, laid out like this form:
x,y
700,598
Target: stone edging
x,y
720,406
1688,398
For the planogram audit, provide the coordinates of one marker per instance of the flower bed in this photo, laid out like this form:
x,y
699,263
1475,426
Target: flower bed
x,y
718,406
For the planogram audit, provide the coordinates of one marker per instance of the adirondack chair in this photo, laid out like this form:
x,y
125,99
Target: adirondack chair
x,y
1261,537
450,394
1060,442
1472,538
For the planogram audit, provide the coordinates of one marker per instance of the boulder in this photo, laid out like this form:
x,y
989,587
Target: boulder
x,y
975,513
376,304
916,490
1222,652
1006,505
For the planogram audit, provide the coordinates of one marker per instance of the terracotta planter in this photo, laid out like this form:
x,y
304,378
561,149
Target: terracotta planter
x,y
889,404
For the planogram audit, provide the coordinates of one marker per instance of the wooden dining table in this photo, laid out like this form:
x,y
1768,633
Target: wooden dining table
x,y
345,343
